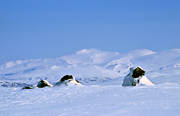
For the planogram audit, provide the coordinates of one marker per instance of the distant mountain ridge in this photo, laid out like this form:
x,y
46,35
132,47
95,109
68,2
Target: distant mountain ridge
x,y
93,64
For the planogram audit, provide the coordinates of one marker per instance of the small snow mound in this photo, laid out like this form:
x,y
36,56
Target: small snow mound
x,y
10,64
18,61
177,66
55,67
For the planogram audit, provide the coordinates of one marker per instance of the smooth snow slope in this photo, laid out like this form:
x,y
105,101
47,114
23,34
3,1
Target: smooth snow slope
x,y
102,73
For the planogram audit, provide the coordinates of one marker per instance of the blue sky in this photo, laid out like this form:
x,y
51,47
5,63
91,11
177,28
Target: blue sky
x,y
52,28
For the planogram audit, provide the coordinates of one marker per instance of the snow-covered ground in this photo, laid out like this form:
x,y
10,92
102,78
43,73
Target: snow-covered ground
x,y
102,73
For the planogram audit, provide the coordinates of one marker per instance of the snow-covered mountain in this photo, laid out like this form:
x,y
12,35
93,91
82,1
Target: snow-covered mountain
x,y
101,72
92,63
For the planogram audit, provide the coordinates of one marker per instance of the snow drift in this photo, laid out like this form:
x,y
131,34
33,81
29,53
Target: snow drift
x,y
102,73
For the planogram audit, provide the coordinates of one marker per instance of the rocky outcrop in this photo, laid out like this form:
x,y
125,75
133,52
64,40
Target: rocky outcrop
x,y
68,80
136,76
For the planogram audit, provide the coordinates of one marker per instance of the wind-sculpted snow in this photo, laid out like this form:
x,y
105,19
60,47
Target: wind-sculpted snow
x,y
102,73
109,100
92,63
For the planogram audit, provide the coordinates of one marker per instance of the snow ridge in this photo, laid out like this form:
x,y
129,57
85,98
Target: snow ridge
x,y
101,73
87,64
